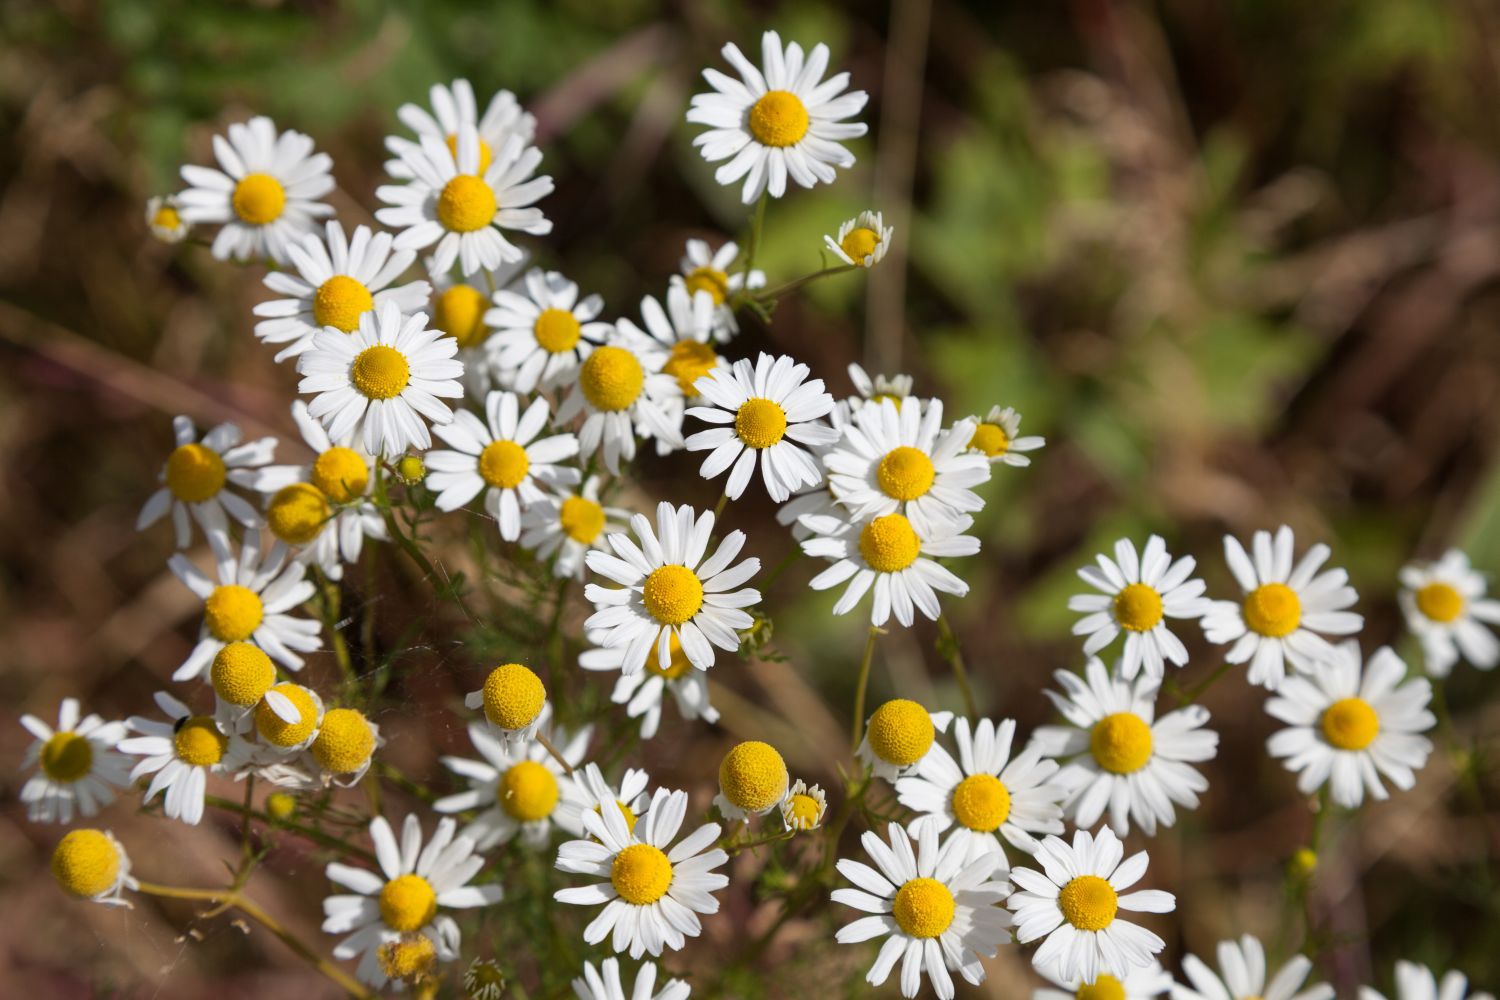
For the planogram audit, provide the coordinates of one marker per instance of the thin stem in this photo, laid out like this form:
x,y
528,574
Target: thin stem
x,y
330,608
773,294
556,754
859,690
734,847
755,233
719,507
428,570
249,808
781,567
1197,691
555,638
311,833
949,648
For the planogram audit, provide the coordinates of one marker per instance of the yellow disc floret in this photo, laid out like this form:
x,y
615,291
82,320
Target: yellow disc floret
x,y
86,863
411,470
345,741
513,696
889,544
641,874
198,741
297,513
1440,602
581,519
486,155
672,594
990,439
981,802
1121,743
67,757
408,958
753,776
276,730
242,673
708,279
340,301
924,907
503,464
859,243
611,379
281,805
1273,610
759,423
804,812
407,903
341,473
195,472
679,664
527,791
459,313
380,372
232,613
557,330
1088,902
689,361
466,204
901,732
779,118
1350,724
904,473
1138,608
166,217
258,199
1106,987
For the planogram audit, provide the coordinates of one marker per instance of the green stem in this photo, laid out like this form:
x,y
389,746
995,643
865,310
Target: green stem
x,y
719,507
859,690
755,234
311,833
948,646
786,561
429,571
1197,691
330,609
734,847
773,294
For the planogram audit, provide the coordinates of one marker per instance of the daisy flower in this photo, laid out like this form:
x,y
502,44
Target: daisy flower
x,y
180,753
77,764
336,281
592,791
195,480
1123,757
621,389
287,719
685,330
92,865
1446,609
265,192
937,910
501,455
896,388
643,691
453,106
1284,609
996,437
405,901
652,896
985,795
1137,594
375,385
164,219
1417,982
1141,983
241,673
570,525
783,121
1074,901
464,206
604,983
1347,726
1242,976
542,334
769,408
753,780
862,241
804,806
249,603
513,698
705,270
898,737
670,589
344,747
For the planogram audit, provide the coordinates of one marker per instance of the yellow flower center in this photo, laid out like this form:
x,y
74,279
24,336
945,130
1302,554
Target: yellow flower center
x,y
1121,743
411,470
66,757
981,802
641,874
1138,608
803,812
242,673
341,474
1440,602
1106,987
582,519
513,696
408,958
708,279
759,423
689,361
990,439
340,301
901,732
345,741
557,330
232,613
779,118
924,907
626,811
503,464
276,730
1273,610
889,544
297,513
1350,724
680,663
380,372
611,379
459,312
86,863
407,903
1088,902
258,199
904,473
672,594
281,805
195,472
1303,862
486,155
859,243
753,776
466,204
527,791
166,217
198,742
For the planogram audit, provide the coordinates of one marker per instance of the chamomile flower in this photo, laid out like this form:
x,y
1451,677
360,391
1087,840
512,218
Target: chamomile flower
x,y
1347,726
464,206
985,795
779,121
459,305
1138,593
1074,902
592,791
685,330
604,983
250,603
287,720
453,106
896,388
1242,976
164,219
1287,610
1417,982
77,765
1446,609
404,898
644,691
804,806
264,193
513,698
180,753
337,280
1123,758
1142,983
938,911
543,331
703,270
670,589
997,438
652,895
376,385
768,409
753,780
92,865
621,389
344,747
863,241
241,673
501,455
898,736
196,481
570,525
893,556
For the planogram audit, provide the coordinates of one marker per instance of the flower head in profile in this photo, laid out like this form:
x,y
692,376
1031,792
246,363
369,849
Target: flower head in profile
x,y
1447,609
514,701
713,271
453,107
1417,982
874,389
78,765
196,480
1243,976
643,692
997,436
863,241
898,736
92,865
180,754
753,780
543,331
164,219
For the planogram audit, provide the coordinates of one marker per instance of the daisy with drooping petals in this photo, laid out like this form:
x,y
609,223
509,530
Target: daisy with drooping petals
x,y
592,791
753,780
604,983
769,408
685,330
1348,726
621,390
92,865
1137,594
670,590
1446,608
997,438
1143,983
405,901
164,219
264,193
709,271
643,692
77,764
898,737
543,334
570,525
783,121
180,753
804,806
513,698
1284,609
1417,982
195,478
938,910
896,388
454,106
287,720
1124,759
1242,966
501,455
375,385
1074,902
652,896
863,241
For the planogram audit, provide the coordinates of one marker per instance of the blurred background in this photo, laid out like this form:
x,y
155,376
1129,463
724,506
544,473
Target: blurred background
x,y
1236,261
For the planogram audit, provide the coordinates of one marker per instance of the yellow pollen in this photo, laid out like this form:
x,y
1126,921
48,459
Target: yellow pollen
x,y
759,423
641,874
803,812
753,776
1350,724
581,519
689,361
923,908
1273,610
503,464
527,792
486,155
345,741
411,470
672,594
611,379
380,372
340,301
466,204
889,544
901,732
276,730
513,696
297,513
408,958
86,863
459,312
242,673
859,243
66,757
166,217
258,199
281,805
232,613
341,474
1440,602
904,473
981,802
1303,862
1088,902
557,330
1121,743
407,903
990,439
710,280
198,742
195,472
1138,608
779,118
1106,987
679,666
